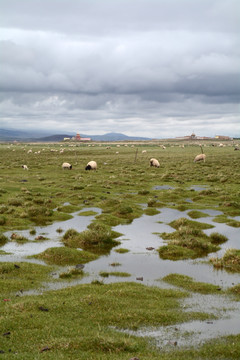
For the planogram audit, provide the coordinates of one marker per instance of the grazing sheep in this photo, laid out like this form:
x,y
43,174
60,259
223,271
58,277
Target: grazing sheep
x,y
66,165
200,157
92,165
154,162
144,151
24,167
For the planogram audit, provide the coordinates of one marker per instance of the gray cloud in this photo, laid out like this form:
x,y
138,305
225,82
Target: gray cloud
x,y
138,67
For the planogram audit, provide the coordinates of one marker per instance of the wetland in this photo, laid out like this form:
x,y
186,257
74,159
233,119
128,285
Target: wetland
x,y
155,250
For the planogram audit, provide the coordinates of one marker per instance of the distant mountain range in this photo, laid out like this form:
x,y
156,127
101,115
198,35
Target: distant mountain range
x,y
26,136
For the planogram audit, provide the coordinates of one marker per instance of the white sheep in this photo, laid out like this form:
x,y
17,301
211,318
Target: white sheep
x,y
200,157
154,162
91,165
66,165
24,167
144,151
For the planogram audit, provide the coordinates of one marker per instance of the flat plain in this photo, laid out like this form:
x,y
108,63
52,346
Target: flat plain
x,y
81,322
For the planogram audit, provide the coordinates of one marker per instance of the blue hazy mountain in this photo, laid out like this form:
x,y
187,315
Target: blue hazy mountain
x,y
20,135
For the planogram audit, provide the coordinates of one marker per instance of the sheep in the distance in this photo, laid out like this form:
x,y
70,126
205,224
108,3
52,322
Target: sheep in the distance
x,y
154,162
92,165
24,167
67,166
200,157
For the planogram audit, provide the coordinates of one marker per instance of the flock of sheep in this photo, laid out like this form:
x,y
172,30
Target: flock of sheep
x,y
92,165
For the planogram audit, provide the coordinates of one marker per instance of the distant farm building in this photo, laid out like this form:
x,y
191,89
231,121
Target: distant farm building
x,y
79,138
194,137
221,137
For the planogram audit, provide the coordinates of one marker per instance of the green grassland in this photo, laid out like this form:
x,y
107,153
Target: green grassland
x,y
80,322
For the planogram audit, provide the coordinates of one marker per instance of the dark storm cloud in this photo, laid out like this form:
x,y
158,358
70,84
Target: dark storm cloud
x,y
106,65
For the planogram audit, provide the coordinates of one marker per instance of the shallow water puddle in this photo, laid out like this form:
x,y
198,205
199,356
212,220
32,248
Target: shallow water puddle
x,y
18,252
163,187
192,333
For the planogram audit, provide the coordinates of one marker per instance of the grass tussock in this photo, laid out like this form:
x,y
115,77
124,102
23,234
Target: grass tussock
x,y
151,211
189,241
71,272
19,277
65,256
235,290
98,238
195,214
18,238
230,261
187,283
121,251
114,273
225,219
3,239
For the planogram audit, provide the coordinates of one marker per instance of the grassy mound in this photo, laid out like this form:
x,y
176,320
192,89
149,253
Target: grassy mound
x,y
98,238
230,261
65,256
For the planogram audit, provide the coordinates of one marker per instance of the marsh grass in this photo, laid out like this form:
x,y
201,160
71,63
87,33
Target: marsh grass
x,y
19,238
3,239
2,220
230,261
121,250
187,283
151,211
194,214
189,241
71,272
225,219
189,226
114,264
114,273
65,256
77,325
98,238
15,277
80,323
88,213
217,238
235,290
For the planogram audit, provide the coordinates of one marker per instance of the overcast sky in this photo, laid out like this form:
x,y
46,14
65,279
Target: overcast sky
x,y
155,68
